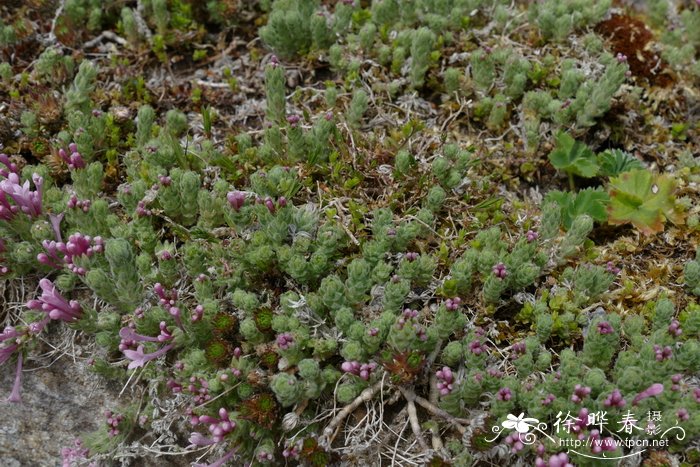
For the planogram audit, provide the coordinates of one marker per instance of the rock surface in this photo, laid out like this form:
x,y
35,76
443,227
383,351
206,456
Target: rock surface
x,y
59,403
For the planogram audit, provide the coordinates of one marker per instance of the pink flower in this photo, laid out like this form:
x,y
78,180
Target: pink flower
x,y
26,200
580,392
220,462
11,167
236,199
614,399
284,340
445,380
15,396
293,120
138,358
605,328
54,304
557,460
197,439
504,394
531,236
663,353
75,160
675,328
500,271
453,303
653,390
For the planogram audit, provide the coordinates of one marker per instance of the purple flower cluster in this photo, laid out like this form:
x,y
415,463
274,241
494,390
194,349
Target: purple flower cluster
x,y
611,268
557,460
548,399
11,167
141,210
285,340
494,372
197,313
54,305
653,390
531,236
199,388
662,354
615,399
675,328
605,328
363,370
445,380
453,304
77,245
218,427
515,442
25,200
75,203
74,455
9,342
113,422
293,120
683,415
599,444
292,451
407,315
168,300
504,394
580,422
499,270
270,205
165,180
580,393
518,349
411,256
676,379
236,199
477,347
75,160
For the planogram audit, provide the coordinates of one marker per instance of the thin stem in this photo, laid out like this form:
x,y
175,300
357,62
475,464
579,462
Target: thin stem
x,y
365,396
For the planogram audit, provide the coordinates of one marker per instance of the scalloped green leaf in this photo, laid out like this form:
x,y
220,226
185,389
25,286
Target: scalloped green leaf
x,y
573,157
591,201
643,199
613,162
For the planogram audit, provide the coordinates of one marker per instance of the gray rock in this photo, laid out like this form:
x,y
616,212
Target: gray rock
x,y
59,403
